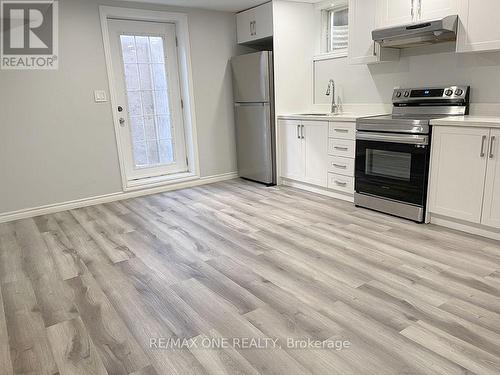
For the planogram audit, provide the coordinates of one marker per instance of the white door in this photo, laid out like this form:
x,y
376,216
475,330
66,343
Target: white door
x,y
316,152
459,157
478,29
491,209
394,12
151,132
434,9
292,150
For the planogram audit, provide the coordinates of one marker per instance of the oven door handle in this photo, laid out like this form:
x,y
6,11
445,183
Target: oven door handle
x,y
412,139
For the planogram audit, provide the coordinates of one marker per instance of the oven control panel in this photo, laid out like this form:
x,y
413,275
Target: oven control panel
x,y
423,94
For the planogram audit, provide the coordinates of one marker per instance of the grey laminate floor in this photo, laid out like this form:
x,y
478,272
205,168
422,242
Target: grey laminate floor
x,y
85,291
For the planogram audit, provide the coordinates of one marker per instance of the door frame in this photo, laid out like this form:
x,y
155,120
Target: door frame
x,y
187,91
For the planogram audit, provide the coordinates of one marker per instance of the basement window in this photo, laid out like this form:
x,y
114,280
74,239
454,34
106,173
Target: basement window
x,y
334,29
337,30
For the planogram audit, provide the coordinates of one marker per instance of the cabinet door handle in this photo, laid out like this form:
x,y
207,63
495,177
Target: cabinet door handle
x,y
339,166
298,131
341,183
483,144
341,130
492,145
419,9
343,148
412,10
254,27
302,132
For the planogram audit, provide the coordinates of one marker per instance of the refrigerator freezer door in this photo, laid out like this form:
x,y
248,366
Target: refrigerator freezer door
x,y
254,139
251,78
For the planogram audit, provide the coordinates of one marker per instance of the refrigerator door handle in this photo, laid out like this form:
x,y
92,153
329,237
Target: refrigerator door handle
x,y
250,104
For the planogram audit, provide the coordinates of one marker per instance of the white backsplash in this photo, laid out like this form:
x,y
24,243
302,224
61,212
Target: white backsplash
x,y
369,88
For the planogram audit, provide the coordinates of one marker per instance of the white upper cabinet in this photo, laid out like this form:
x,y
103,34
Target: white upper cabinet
x,y
459,159
434,9
394,12
491,205
255,24
362,48
479,25
398,12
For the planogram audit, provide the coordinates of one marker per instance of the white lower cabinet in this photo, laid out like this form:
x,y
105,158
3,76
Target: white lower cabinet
x,y
304,151
292,150
319,153
341,183
342,147
340,165
491,205
315,135
465,175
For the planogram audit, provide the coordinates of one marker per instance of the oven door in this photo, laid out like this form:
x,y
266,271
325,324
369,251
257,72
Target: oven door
x,y
392,166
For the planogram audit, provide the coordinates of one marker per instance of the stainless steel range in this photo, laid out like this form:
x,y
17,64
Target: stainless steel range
x,y
393,151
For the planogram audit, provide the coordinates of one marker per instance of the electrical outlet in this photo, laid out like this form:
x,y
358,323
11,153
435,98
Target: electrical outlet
x,y
100,96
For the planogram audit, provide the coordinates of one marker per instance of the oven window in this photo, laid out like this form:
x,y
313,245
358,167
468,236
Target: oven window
x,y
382,163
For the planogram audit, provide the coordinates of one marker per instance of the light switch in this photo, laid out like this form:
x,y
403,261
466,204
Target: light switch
x,y
100,96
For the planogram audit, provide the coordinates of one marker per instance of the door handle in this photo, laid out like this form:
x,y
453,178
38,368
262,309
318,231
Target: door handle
x,y
302,132
492,145
254,27
298,131
483,145
342,130
343,148
341,183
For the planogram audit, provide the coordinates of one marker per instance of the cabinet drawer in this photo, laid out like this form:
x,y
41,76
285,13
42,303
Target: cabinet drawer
x,y
341,183
340,165
342,130
342,147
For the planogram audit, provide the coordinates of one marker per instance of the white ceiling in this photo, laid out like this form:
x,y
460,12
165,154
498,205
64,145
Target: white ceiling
x,y
223,5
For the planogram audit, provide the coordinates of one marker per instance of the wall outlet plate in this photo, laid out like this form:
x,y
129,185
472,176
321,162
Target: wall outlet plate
x,y
100,96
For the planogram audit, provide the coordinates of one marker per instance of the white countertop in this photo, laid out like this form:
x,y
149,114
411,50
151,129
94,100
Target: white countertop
x,y
342,117
471,121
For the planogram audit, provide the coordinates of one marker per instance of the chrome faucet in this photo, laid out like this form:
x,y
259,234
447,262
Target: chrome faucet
x,y
331,91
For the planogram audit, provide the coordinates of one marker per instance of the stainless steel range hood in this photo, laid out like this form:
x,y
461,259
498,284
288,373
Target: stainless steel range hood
x,y
417,34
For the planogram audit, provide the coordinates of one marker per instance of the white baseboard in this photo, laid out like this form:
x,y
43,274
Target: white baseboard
x,y
479,230
58,207
317,190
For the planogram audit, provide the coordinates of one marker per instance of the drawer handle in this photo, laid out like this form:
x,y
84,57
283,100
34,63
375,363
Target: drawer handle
x,y
342,130
340,183
339,166
341,148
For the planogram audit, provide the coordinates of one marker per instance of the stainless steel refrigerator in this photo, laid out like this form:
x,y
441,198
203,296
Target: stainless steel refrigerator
x,y
253,83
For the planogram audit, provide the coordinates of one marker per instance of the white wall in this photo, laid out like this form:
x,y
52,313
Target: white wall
x,y
57,145
425,66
